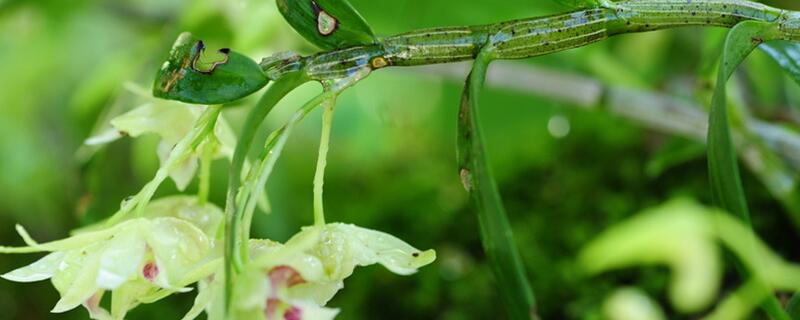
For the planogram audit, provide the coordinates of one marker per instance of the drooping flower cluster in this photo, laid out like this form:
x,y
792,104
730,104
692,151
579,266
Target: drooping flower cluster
x,y
149,250
139,260
174,245
295,280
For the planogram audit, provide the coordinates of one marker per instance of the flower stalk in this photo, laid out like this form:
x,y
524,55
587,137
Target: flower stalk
x,y
319,174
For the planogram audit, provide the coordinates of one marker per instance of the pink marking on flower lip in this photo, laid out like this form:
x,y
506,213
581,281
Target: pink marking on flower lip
x,y
293,313
150,271
272,308
94,301
284,276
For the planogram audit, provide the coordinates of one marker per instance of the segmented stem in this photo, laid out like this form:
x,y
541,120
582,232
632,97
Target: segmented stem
x,y
525,38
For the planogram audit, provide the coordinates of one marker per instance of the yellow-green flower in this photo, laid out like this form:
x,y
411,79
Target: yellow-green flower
x,y
139,260
295,280
171,121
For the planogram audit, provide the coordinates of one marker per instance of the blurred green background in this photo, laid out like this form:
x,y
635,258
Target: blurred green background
x,y
392,161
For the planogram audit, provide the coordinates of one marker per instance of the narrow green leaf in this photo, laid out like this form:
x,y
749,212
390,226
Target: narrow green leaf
x,y
787,54
495,229
186,77
726,184
328,24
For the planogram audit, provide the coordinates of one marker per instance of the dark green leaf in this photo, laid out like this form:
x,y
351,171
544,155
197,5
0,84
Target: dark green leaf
x,y
726,184
495,229
186,77
787,54
328,24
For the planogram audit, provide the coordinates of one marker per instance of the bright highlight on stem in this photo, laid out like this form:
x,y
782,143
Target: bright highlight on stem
x,y
319,174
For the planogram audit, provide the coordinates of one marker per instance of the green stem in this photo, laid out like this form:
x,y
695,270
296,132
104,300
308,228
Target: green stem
x,y
274,93
204,126
257,178
319,174
238,211
246,199
495,229
525,38
206,157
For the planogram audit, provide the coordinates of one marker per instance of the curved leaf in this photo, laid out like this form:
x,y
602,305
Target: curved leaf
x,y
787,54
726,184
328,24
185,77
495,230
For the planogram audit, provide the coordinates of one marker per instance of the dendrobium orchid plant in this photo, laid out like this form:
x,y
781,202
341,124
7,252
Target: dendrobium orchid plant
x,y
150,249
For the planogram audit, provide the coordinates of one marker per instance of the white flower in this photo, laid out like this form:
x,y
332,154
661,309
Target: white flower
x,y
171,121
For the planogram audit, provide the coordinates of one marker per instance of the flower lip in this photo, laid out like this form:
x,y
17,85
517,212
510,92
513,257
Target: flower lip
x,y
284,276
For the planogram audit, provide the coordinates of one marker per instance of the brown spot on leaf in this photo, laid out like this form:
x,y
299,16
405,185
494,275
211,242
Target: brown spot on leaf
x,y
466,179
326,23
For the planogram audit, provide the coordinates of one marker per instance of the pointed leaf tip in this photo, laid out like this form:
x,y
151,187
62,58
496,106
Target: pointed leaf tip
x,y
328,24
726,185
186,77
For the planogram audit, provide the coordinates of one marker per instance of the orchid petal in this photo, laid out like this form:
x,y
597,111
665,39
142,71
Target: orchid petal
x,y
121,258
93,306
170,121
204,298
82,286
343,246
183,172
103,137
75,242
251,290
207,217
177,245
306,310
39,270
127,297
